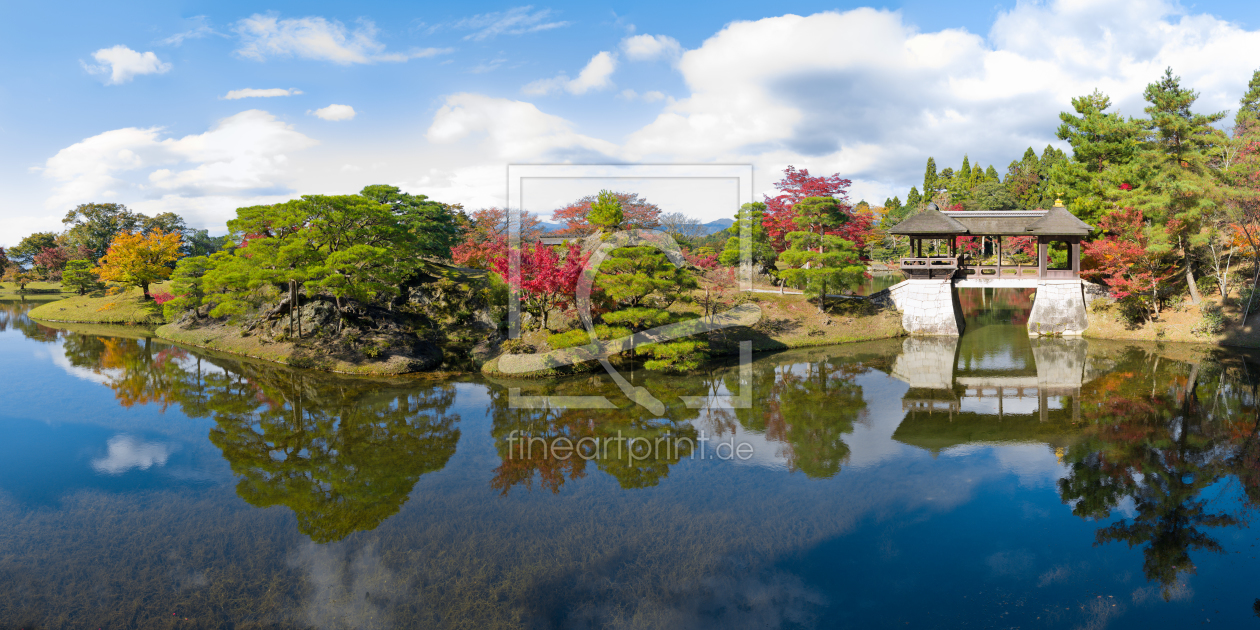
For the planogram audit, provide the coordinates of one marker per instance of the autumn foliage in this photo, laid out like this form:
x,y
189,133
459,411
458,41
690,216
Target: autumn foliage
x,y
637,213
547,281
1129,259
486,236
798,185
138,260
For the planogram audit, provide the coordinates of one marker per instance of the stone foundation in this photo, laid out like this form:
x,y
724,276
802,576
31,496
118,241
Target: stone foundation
x,y
928,307
1058,309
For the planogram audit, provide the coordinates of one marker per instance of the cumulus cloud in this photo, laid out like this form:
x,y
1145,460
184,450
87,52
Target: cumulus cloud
x,y
121,64
596,75
514,21
334,112
513,130
647,47
877,102
244,154
316,38
253,93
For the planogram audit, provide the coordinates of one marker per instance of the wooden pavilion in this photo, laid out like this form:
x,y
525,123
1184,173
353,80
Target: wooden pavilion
x,y
945,227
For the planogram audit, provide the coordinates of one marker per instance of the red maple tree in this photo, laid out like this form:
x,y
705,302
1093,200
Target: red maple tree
x,y
547,281
799,184
1125,260
486,236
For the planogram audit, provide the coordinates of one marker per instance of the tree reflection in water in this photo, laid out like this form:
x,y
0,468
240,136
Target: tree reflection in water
x,y
808,407
343,454
602,436
1159,433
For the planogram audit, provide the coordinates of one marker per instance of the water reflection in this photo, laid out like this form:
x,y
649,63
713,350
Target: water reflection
x,y
1151,440
630,444
1149,447
807,408
343,454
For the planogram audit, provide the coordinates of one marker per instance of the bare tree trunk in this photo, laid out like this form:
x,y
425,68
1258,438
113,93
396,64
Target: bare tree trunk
x,y
1225,279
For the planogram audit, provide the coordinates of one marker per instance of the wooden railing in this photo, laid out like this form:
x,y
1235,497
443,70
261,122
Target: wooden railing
x,y
931,267
945,266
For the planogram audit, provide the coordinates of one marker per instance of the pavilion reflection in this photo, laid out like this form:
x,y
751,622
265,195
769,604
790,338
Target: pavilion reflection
x,y
1043,380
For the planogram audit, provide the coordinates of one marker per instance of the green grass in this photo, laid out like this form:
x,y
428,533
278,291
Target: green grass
x,y
125,307
35,291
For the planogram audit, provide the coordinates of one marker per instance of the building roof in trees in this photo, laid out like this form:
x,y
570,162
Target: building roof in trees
x,y
1056,221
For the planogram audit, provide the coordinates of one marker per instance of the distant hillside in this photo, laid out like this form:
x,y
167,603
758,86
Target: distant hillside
x,y
718,225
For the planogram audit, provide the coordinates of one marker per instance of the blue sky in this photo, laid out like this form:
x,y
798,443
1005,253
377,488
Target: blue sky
x,y
128,103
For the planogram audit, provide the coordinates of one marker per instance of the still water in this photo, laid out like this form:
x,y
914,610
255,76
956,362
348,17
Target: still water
x,y
988,481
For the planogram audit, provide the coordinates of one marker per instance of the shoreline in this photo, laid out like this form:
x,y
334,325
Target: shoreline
x,y
788,323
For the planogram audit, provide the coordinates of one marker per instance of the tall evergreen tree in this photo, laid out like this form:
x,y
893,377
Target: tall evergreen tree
x,y
1180,189
1248,115
1103,147
930,179
914,199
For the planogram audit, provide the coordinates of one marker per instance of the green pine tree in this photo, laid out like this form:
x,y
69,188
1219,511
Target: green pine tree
x,y
763,254
606,212
1104,145
931,182
1180,184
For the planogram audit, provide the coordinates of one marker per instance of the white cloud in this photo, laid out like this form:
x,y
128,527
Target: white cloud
x,y
513,130
199,30
253,93
334,112
648,47
122,64
647,97
514,21
126,453
877,102
316,38
596,75
242,155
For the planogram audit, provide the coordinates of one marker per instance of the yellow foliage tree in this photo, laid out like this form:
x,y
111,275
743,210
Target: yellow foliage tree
x,y
137,259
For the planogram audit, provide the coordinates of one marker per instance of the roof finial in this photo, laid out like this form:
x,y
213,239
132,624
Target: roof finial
x,y
1058,203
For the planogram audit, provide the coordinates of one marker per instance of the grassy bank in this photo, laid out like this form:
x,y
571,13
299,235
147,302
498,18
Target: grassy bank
x,y
1180,322
125,307
35,291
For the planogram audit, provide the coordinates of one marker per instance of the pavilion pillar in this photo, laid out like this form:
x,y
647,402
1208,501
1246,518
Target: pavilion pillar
x,y
1075,253
999,252
1042,251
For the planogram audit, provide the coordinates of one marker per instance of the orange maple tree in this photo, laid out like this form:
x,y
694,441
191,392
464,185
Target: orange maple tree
x,y
138,260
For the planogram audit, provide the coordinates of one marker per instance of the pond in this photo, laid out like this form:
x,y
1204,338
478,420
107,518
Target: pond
x,y
987,481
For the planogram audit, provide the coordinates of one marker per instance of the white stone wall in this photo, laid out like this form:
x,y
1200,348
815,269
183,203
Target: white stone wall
x,y
1058,309
928,307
